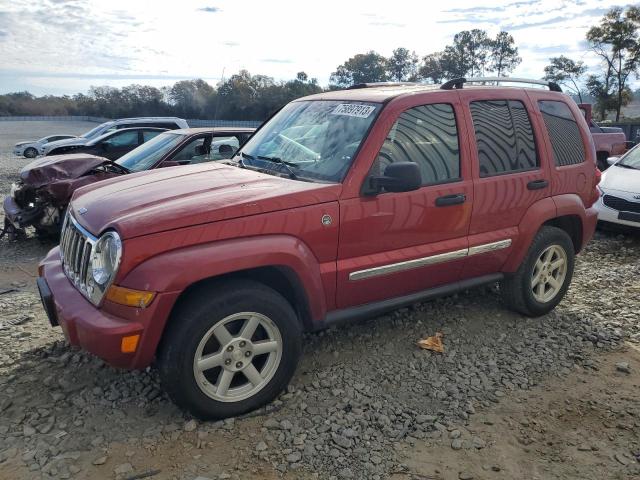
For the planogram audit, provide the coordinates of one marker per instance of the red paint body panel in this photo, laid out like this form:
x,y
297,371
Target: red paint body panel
x,y
176,197
180,226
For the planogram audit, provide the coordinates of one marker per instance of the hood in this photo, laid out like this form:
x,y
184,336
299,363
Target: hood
x,y
69,141
59,167
26,142
177,197
621,179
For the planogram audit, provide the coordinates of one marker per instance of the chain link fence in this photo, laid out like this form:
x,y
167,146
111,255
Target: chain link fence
x,y
85,118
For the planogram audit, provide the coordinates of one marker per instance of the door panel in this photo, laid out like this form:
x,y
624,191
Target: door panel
x,y
400,227
502,195
393,244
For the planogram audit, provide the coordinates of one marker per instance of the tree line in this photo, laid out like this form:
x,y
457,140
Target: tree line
x,y
244,96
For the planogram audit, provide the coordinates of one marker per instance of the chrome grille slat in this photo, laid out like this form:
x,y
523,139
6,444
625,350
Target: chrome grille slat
x,y
84,264
77,258
76,246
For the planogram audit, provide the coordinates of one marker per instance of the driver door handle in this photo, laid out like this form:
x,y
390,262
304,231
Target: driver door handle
x,y
453,199
537,184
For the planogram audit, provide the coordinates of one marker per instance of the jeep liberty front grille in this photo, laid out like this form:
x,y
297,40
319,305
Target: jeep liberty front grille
x,y
76,245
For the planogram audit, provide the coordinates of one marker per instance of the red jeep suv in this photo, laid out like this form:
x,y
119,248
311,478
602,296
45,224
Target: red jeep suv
x,y
343,205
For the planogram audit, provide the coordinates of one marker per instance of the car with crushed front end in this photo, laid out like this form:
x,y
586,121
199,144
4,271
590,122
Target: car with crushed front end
x,y
41,195
343,205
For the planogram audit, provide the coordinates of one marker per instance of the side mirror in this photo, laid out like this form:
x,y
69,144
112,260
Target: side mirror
x,y
169,163
398,177
612,160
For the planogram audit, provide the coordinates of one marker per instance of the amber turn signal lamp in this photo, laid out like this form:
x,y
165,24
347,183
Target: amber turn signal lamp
x,y
129,344
129,297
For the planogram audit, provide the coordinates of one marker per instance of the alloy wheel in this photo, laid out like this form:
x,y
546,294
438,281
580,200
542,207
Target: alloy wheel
x,y
549,273
238,356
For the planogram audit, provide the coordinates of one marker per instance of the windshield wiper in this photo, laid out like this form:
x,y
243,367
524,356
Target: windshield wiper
x,y
279,161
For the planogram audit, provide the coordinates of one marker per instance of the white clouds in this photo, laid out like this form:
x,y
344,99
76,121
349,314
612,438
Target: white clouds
x,y
194,38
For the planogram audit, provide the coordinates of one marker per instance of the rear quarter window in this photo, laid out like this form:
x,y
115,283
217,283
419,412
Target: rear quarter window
x,y
563,132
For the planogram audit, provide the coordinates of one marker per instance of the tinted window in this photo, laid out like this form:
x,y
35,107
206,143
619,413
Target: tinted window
x,y
426,135
124,139
149,134
504,137
564,133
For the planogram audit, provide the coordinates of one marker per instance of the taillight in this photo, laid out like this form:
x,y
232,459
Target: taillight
x,y
597,177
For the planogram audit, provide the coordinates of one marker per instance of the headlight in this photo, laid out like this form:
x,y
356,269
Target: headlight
x,y
105,258
14,188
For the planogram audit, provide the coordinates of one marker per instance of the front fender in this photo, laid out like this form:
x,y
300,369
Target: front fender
x,y
178,269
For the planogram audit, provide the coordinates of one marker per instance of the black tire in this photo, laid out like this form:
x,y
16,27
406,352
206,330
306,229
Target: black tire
x,y
205,307
516,289
31,152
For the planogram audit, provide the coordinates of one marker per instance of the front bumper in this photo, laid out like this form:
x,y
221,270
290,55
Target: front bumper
x,y
18,217
610,215
98,330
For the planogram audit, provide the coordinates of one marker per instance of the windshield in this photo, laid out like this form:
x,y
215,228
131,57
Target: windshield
x,y
631,159
95,132
149,153
317,140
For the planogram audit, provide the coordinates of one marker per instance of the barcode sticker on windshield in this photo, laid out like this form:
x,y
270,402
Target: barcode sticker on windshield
x,y
353,110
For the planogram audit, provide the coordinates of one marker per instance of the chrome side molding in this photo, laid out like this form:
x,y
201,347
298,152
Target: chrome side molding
x,y
430,260
490,247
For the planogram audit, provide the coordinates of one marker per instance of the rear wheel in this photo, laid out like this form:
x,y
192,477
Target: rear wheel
x,y
544,276
230,348
30,152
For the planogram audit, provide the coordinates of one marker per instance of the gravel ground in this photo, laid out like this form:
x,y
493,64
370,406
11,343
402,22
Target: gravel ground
x,y
510,397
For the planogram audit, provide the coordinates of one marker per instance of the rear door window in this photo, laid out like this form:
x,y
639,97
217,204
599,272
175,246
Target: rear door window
x,y
504,137
149,134
428,136
124,139
564,133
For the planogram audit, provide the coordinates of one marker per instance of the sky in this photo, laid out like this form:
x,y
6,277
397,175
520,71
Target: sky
x,y
65,46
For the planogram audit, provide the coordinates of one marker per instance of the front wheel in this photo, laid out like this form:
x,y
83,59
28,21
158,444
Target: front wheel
x,y
544,276
30,152
230,348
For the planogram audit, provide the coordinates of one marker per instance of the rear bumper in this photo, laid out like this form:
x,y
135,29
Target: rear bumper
x,y
96,330
589,225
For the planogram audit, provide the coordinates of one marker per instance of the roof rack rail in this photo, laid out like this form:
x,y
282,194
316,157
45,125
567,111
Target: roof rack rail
x,y
459,82
381,84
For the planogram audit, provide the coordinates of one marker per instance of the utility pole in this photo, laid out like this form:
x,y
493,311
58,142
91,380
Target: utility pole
x,y
215,112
